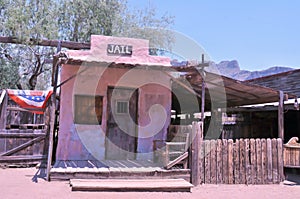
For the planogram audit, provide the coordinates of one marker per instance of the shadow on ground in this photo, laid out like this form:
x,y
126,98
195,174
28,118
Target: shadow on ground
x,y
292,177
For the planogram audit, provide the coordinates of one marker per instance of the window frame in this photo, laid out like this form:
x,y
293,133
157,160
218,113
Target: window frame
x,y
82,116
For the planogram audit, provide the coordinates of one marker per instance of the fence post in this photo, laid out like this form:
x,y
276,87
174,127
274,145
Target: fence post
x,y
3,104
195,153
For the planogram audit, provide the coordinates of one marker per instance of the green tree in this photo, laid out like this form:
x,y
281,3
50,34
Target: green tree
x,y
72,20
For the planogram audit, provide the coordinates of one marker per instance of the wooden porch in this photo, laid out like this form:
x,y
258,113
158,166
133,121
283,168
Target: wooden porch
x,y
114,169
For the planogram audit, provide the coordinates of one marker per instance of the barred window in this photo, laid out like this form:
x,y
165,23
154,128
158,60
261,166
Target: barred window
x,y
122,107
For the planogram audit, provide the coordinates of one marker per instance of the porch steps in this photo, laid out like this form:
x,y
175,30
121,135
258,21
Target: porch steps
x,y
161,185
118,173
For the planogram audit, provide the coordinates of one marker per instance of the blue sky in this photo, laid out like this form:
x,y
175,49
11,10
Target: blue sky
x,y
258,33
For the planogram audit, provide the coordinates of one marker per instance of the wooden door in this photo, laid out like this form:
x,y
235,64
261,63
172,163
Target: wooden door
x,y
121,137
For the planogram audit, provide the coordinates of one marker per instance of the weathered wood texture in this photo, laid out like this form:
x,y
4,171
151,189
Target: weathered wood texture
x,y
244,161
195,153
291,154
287,82
130,185
23,135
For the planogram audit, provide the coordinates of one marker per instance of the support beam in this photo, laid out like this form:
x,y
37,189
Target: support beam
x,y
3,106
45,42
281,116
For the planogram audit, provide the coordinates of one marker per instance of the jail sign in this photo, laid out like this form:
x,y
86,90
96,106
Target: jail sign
x,y
116,49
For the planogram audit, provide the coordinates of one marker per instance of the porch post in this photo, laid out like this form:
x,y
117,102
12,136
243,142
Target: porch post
x,y
3,106
281,116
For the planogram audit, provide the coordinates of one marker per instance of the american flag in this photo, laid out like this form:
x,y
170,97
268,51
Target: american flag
x,y
29,99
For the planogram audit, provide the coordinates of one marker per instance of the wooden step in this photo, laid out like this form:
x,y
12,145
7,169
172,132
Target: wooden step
x,y
161,185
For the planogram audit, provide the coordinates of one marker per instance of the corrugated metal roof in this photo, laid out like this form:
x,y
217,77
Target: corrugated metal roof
x,y
236,93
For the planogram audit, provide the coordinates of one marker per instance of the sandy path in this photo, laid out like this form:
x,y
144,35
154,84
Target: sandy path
x,y
21,183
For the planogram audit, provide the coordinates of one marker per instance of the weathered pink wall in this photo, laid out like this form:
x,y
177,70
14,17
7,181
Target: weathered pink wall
x,y
153,84
86,142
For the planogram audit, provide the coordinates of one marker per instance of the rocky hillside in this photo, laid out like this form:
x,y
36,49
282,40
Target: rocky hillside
x,y
233,70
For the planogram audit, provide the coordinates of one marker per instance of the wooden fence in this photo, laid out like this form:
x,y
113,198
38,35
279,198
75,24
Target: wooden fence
x,y
23,135
243,161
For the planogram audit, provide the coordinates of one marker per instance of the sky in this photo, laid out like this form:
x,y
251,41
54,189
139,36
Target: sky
x,y
258,34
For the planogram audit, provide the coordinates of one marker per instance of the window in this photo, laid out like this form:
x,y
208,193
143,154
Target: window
x,y
122,107
88,109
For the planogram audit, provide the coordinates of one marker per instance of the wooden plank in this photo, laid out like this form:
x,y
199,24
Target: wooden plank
x,y
264,161
274,161
213,165
259,175
225,161
219,162
281,115
242,162
286,154
21,158
22,135
247,162
177,160
236,160
269,161
201,160
130,185
280,160
297,158
230,162
253,161
207,162
22,146
195,176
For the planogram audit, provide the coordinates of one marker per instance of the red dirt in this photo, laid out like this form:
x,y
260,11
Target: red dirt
x,y
29,183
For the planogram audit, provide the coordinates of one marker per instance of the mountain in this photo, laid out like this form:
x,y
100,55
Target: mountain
x,y
232,69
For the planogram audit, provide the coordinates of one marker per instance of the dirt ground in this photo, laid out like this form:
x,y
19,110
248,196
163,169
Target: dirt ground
x,y
29,183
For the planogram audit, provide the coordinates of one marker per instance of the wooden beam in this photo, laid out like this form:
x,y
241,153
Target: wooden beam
x,y
177,160
3,105
21,135
195,153
22,158
281,116
46,42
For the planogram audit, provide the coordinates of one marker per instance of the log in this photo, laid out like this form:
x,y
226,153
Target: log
x,y
207,161
219,162
259,162
213,163
225,161
242,162
253,161
236,160
264,161
45,42
280,160
247,162
275,161
269,161
230,162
